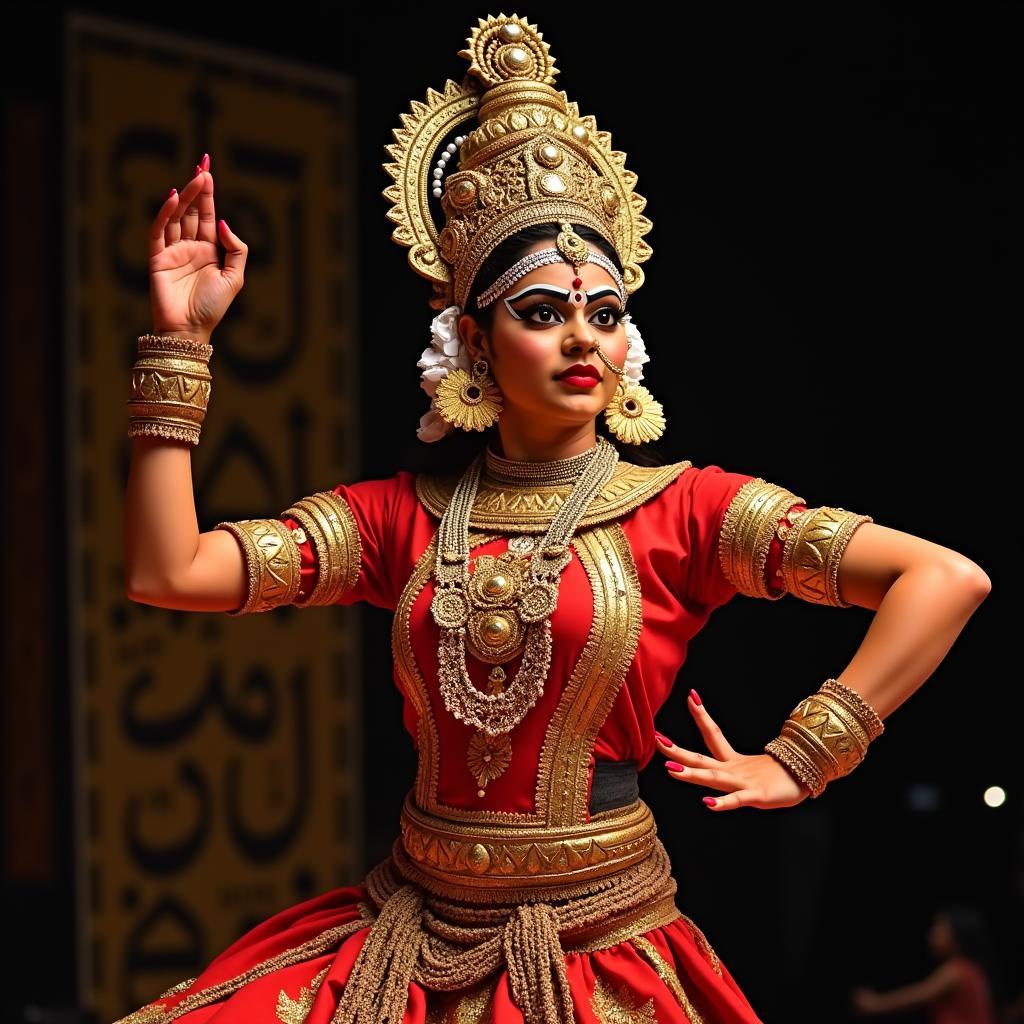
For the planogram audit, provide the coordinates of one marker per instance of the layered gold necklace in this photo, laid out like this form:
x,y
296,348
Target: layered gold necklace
x,y
504,607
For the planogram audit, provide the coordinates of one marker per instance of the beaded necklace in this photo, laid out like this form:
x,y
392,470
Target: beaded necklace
x,y
505,605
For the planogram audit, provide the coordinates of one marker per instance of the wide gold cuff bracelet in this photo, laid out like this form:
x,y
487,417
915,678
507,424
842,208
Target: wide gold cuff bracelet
x,y
170,388
812,550
328,520
747,531
826,735
472,860
273,563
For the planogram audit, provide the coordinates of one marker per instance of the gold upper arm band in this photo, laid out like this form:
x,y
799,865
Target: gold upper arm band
x,y
273,562
812,546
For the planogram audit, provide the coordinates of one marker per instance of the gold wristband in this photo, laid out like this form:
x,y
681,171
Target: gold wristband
x,y
826,735
334,534
812,551
170,388
273,563
747,530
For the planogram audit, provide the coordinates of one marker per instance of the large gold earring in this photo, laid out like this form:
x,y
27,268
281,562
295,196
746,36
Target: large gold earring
x,y
470,402
633,415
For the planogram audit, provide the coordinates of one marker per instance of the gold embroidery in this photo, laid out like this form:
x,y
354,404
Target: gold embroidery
x,y
619,1005
295,1011
273,563
812,551
704,945
668,975
472,1007
561,790
175,989
515,508
331,525
747,530
322,943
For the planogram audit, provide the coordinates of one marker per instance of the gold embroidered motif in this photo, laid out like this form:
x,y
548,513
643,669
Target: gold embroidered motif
x,y
704,945
334,533
748,528
273,563
515,508
669,976
472,1007
561,791
322,943
812,551
295,1011
619,1005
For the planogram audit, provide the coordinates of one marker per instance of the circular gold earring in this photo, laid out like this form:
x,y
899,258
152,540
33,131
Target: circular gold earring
x,y
471,402
634,415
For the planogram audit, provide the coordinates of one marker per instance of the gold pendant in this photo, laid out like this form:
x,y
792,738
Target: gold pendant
x,y
489,756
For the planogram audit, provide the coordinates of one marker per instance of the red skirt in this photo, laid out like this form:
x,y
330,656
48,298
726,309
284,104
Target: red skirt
x,y
292,968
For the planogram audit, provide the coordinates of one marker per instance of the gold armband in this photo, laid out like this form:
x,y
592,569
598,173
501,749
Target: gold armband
x,y
170,388
328,520
273,563
813,547
747,531
826,735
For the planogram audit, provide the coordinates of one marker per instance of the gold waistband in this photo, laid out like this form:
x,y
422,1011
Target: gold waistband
x,y
521,861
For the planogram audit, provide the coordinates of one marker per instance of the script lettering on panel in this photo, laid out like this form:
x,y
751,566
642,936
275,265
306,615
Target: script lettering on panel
x,y
216,759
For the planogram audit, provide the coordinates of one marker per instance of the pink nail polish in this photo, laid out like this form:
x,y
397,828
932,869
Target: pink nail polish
x,y
664,739
171,193
205,163
710,801
197,171
675,766
696,697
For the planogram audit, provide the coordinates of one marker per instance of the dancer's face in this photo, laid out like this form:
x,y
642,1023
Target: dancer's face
x,y
542,330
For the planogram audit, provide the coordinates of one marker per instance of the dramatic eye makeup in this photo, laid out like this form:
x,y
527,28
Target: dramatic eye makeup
x,y
612,314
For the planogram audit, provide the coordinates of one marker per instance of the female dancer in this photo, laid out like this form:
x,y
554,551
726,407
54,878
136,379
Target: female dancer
x,y
543,598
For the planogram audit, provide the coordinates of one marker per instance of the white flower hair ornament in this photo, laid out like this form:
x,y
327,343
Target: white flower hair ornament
x,y
447,353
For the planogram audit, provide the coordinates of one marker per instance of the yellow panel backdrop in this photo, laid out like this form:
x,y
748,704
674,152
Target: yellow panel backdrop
x,y
216,759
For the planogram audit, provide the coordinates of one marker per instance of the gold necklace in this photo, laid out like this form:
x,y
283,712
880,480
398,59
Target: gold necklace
x,y
505,606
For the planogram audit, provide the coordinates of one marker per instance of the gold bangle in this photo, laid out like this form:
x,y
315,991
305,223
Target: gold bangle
x,y
812,551
748,527
273,563
170,388
334,533
826,735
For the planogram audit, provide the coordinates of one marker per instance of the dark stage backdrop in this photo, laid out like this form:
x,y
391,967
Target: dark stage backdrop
x,y
835,200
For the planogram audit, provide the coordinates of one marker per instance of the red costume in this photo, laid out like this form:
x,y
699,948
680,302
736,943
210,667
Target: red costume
x,y
646,573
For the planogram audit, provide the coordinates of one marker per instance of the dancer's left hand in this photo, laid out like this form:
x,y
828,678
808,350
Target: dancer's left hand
x,y
749,780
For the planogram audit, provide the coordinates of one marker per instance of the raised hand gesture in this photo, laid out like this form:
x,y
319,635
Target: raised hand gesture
x,y
189,290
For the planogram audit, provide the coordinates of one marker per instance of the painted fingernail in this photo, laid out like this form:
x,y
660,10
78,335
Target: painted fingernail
x,y
197,171
710,801
696,697
171,193
664,739
205,162
675,766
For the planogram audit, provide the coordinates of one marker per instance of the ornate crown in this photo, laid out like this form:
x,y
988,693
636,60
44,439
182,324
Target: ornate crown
x,y
532,159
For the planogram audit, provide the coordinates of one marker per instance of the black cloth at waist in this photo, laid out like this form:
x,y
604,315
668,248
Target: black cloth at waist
x,y
615,785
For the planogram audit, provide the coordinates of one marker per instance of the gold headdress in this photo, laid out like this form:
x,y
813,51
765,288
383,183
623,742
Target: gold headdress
x,y
533,158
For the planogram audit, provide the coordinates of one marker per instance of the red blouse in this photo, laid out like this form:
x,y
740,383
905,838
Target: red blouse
x,y
673,537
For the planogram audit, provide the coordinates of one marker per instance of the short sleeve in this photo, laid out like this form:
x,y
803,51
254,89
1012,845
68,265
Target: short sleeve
x,y
330,547
735,525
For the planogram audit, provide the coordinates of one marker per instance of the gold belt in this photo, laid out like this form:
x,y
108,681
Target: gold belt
x,y
523,860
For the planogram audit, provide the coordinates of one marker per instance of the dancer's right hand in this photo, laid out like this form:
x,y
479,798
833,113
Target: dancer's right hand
x,y
189,291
